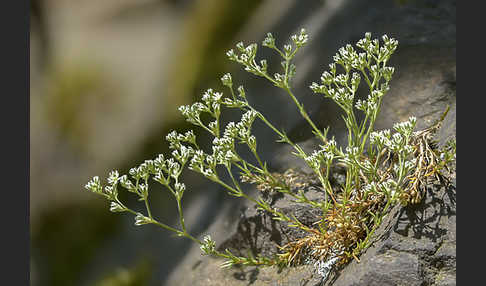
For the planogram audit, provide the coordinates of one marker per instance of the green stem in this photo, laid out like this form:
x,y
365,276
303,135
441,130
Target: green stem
x,y
181,216
372,123
257,202
280,134
305,115
146,202
148,208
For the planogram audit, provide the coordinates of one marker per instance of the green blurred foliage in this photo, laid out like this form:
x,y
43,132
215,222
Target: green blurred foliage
x,y
70,90
136,276
67,237
201,61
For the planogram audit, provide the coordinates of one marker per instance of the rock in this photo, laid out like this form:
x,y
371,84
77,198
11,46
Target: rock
x,y
256,232
415,245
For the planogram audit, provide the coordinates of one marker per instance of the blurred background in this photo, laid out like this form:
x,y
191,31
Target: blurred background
x,y
106,80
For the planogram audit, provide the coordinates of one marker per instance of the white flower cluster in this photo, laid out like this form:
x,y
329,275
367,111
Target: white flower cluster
x,y
175,139
140,219
179,190
193,112
126,183
406,128
341,87
247,58
242,129
269,41
227,80
223,148
342,92
163,171
113,177
325,154
380,138
204,164
211,104
370,105
182,154
209,246
223,151
143,171
398,142
301,39
351,156
372,47
341,96
349,58
109,191
94,185
387,187
248,53
116,207
170,169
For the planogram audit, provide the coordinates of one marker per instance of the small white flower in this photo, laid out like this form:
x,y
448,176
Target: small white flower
x,y
126,183
278,77
231,55
116,207
143,188
113,177
140,219
316,88
207,172
159,177
269,41
226,80
180,188
94,185
208,247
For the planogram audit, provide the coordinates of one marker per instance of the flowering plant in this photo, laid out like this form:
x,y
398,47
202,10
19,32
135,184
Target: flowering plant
x,y
383,168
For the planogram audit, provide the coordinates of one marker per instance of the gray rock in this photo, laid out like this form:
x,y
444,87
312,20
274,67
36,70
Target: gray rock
x,y
415,245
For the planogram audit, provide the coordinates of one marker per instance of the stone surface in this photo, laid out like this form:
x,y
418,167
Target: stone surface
x,y
416,245
251,232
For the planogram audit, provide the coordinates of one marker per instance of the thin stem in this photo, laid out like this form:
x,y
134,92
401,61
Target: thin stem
x,y
280,134
372,123
181,216
305,115
148,208
240,193
146,201
260,162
